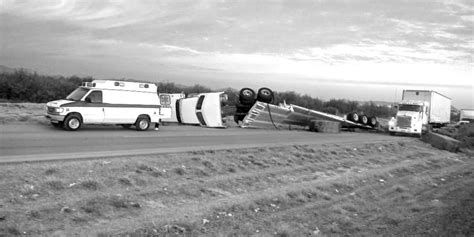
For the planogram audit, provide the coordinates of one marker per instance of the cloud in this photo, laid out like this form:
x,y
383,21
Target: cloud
x,y
172,48
386,42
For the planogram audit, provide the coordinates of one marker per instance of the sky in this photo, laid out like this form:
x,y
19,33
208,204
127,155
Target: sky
x,y
357,50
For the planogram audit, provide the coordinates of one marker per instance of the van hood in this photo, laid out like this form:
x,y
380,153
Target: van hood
x,y
58,103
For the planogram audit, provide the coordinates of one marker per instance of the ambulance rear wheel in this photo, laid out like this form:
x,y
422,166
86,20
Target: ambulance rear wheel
x,y
72,122
143,123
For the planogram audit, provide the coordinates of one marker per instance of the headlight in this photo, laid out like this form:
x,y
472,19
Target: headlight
x,y
55,110
392,122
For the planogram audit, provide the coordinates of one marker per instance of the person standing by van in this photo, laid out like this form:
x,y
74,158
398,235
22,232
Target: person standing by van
x,y
157,125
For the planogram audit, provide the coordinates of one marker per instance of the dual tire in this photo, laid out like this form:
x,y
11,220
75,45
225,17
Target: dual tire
x,y
372,121
362,119
354,117
265,95
247,96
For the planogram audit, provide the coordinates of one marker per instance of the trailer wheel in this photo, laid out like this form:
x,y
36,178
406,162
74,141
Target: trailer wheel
x,y
373,121
265,95
247,96
143,123
354,117
72,122
363,119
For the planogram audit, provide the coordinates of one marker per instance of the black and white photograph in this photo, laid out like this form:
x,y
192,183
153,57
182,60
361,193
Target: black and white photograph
x,y
236,118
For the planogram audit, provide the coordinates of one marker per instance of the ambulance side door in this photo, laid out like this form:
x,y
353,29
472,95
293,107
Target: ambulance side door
x,y
93,111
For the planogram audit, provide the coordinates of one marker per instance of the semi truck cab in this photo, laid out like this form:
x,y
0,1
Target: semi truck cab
x,y
411,118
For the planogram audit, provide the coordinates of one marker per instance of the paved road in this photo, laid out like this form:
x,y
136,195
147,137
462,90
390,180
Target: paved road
x,y
42,142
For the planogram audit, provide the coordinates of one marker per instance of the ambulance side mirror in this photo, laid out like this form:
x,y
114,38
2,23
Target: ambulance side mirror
x,y
88,100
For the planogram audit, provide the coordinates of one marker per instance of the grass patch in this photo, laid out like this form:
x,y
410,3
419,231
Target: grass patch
x,y
9,231
51,171
208,164
144,167
101,206
29,191
125,181
256,192
55,184
179,171
156,173
90,185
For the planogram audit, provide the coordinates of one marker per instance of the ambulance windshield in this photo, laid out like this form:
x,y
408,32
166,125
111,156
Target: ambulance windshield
x,y
77,94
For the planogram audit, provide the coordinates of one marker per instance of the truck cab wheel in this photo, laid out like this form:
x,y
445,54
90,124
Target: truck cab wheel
x,y
265,95
247,96
72,122
142,124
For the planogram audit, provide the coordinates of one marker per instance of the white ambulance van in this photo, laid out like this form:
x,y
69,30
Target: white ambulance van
x,y
109,102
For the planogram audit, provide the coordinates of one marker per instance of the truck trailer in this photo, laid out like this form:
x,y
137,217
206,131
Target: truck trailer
x,y
419,110
466,116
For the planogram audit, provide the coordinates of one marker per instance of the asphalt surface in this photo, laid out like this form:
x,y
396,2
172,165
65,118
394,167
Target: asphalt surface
x,y
37,142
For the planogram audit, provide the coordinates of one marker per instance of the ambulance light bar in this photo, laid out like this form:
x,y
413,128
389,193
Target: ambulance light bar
x,y
88,84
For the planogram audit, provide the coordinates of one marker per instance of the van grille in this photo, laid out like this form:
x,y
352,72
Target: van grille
x,y
404,121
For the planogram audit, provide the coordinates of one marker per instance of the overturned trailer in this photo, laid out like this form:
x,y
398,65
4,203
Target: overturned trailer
x,y
283,116
256,111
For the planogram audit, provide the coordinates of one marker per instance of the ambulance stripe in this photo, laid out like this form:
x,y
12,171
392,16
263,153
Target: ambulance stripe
x,y
105,105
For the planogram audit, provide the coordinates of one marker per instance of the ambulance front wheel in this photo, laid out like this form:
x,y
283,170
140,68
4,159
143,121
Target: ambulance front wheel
x,y
72,122
143,123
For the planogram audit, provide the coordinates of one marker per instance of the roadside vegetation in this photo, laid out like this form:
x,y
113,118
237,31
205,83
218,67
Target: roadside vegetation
x,y
26,86
403,188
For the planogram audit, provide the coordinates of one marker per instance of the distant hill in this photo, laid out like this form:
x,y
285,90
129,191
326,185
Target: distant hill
x,y
5,69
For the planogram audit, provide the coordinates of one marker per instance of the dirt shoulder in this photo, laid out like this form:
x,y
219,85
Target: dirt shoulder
x,y
14,113
386,188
